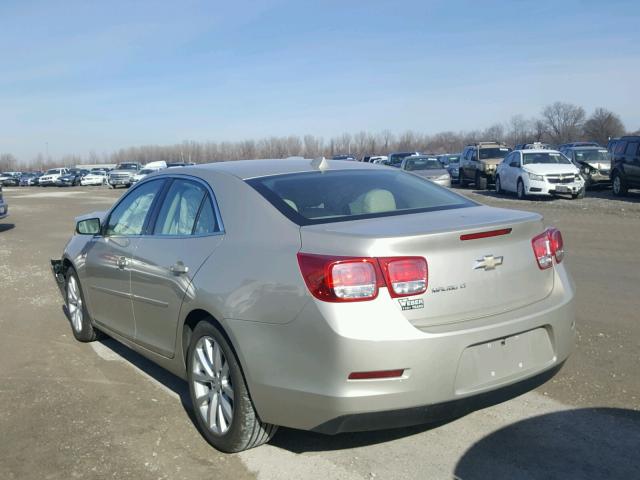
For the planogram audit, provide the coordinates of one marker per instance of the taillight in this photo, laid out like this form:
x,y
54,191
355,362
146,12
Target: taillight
x,y
352,279
547,246
340,279
557,244
405,275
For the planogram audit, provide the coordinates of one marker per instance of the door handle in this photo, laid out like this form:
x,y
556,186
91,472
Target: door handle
x,y
122,262
179,268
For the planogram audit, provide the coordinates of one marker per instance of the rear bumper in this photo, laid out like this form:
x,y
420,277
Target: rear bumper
x,y
363,422
298,372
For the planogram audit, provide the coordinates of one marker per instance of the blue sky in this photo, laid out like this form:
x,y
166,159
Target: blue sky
x,y
100,75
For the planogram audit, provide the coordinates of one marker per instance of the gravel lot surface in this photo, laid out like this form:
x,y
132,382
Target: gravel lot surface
x,y
71,410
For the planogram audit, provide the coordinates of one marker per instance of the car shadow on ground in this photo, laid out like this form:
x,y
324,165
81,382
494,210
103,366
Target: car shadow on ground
x,y
301,441
166,378
4,227
571,444
159,374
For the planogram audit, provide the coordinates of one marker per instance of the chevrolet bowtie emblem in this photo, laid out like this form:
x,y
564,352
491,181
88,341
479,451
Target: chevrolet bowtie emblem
x,y
488,262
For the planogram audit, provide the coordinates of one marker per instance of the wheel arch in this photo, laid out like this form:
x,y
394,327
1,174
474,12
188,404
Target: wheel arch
x,y
192,319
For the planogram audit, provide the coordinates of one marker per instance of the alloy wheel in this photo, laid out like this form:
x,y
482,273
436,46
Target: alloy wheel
x,y
214,394
74,303
616,185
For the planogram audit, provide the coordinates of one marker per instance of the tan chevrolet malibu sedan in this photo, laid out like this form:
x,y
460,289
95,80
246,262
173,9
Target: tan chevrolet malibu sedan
x,y
321,295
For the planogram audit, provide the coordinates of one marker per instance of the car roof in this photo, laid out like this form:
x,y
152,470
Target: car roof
x,y
537,150
586,147
246,169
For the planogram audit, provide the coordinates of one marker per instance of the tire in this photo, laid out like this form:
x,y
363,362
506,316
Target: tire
x,y
481,182
520,190
239,428
580,194
618,186
498,185
79,318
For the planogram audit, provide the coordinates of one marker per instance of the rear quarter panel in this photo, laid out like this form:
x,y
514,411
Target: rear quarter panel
x,y
253,275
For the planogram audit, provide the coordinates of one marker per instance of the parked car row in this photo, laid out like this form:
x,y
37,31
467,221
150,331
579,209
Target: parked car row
x,y
531,169
125,174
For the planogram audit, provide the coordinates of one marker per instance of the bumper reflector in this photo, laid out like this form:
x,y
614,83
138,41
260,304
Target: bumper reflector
x,y
375,375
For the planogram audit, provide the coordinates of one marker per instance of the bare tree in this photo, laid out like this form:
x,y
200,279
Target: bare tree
x,y
563,121
387,139
602,125
519,130
8,162
494,132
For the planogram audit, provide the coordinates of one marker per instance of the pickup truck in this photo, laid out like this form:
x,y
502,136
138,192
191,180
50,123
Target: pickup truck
x,y
122,175
51,175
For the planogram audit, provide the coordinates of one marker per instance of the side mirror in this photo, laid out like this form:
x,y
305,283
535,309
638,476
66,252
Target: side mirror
x,y
89,226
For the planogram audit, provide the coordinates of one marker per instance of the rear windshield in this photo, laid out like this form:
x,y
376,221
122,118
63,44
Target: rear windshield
x,y
546,157
422,164
493,152
341,195
396,158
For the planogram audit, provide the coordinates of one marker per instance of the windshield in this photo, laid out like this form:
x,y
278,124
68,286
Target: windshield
x,y
592,155
544,157
396,158
52,171
146,171
332,196
493,152
127,166
422,164
450,159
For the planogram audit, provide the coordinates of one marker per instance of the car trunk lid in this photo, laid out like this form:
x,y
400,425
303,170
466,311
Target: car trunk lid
x,y
467,279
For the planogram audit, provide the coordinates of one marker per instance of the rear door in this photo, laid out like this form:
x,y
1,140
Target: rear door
x,y
186,229
109,256
632,162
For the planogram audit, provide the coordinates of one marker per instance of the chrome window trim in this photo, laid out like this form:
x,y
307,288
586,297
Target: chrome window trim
x,y
205,184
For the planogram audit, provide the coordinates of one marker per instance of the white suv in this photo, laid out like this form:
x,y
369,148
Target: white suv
x,y
539,172
51,175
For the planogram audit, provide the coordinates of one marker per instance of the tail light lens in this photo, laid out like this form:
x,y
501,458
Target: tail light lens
x,y
340,279
352,279
547,246
557,244
405,275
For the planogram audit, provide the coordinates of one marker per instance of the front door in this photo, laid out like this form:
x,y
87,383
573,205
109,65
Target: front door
x,y
109,258
185,232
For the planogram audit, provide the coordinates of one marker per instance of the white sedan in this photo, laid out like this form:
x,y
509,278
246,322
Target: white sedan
x,y
539,172
94,178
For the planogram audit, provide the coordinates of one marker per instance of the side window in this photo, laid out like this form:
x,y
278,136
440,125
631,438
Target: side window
x,y
620,146
509,158
179,214
632,148
129,216
206,222
474,155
